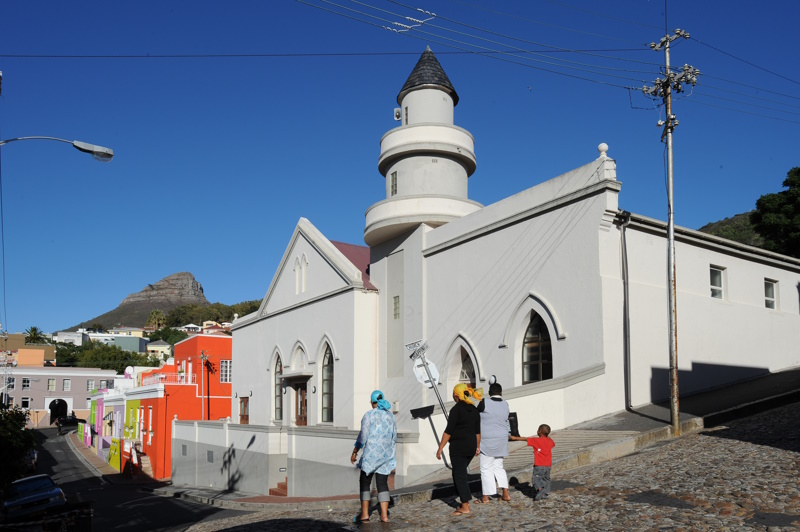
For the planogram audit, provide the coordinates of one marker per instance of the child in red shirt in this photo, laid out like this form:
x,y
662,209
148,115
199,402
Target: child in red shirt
x,y
542,460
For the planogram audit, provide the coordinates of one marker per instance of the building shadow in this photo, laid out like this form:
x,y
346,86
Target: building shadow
x,y
779,428
702,377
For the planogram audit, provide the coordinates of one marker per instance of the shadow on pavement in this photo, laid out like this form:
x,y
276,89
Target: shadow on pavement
x,y
756,430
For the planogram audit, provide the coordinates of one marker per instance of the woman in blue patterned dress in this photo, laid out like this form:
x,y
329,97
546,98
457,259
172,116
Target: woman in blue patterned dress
x,y
377,439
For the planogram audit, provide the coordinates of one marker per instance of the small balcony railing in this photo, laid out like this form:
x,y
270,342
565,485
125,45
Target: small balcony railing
x,y
168,378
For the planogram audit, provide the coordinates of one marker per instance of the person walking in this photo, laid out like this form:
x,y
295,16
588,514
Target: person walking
x,y
494,445
377,438
463,433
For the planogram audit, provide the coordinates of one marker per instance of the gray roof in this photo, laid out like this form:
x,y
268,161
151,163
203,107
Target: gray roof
x,y
428,74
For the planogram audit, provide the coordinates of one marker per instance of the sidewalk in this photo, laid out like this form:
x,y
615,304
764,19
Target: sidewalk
x,y
590,442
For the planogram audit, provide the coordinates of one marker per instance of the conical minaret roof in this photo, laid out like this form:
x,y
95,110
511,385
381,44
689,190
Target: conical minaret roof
x,y
428,74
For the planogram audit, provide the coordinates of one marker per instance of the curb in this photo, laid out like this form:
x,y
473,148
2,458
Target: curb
x,y
593,455
229,504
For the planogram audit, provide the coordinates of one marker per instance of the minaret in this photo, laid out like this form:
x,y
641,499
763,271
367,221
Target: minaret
x,y
426,161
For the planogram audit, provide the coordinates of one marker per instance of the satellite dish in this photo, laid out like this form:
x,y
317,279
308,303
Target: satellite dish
x,y
129,372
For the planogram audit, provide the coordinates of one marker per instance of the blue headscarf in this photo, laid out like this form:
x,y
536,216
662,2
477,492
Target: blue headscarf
x,y
377,397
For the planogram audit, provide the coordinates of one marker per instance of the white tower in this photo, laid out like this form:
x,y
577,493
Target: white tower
x,y
426,161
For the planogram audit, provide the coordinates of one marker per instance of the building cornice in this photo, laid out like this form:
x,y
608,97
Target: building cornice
x,y
715,243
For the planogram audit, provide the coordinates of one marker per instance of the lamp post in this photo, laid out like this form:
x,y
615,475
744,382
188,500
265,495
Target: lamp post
x,y
99,153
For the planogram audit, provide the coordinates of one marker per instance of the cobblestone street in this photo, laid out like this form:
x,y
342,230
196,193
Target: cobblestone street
x,y
743,476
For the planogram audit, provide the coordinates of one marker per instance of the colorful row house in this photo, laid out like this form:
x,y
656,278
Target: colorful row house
x,y
131,425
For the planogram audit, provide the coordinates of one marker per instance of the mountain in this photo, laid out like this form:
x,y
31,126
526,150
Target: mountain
x,y
736,228
170,292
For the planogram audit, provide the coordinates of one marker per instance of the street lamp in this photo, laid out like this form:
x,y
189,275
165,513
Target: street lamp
x,y
99,153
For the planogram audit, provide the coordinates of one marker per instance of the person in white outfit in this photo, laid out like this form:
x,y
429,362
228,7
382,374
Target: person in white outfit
x,y
494,444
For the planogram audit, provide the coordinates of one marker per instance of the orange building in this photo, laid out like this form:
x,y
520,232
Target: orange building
x,y
196,387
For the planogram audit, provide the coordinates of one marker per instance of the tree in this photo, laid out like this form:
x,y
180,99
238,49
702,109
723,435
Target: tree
x,y
777,217
15,443
169,335
35,335
156,319
67,354
98,327
100,355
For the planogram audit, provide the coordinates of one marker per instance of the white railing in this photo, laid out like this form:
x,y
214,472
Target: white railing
x,y
168,378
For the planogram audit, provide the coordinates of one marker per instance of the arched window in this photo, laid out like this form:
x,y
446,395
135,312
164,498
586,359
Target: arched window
x,y
278,390
537,355
327,386
467,373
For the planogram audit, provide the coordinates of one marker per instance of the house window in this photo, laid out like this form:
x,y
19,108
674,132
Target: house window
x,y
9,400
51,385
537,356
396,307
717,279
770,294
103,384
467,373
26,383
327,386
67,385
405,113
225,370
26,402
278,392
393,190
90,385
10,383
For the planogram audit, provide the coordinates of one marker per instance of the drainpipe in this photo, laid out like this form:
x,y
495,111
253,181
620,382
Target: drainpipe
x,y
624,218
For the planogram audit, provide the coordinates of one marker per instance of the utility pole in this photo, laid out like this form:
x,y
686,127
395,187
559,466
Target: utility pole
x,y
663,88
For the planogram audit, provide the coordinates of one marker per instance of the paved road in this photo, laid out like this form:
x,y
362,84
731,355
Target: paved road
x,y
742,476
118,507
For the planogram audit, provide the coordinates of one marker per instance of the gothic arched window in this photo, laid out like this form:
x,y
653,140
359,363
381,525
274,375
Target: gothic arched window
x,y
537,355
278,389
327,386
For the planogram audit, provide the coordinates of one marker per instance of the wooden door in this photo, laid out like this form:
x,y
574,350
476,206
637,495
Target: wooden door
x,y
244,410
301,406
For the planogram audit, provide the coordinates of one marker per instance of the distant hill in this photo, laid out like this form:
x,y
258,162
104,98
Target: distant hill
x,y
736,228
177,290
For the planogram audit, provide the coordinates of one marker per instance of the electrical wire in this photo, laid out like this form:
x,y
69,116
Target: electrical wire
x,y
4,324
554,48
604,15
488,52
742,111
695,39
515,17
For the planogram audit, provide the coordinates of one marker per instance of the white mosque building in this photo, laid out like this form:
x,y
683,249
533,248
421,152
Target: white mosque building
x,y
556,291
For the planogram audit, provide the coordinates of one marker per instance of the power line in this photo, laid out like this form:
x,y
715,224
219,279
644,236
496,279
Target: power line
x,y
480,49
737,110
746,61
516,17
551,47
604,15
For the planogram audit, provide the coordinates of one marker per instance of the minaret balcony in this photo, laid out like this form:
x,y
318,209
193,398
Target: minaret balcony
x,y
389,218
443,139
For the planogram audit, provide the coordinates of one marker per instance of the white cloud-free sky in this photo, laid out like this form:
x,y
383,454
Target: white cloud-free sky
x,y
231,120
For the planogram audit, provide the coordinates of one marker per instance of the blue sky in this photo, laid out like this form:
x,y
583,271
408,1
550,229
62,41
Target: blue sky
x,y
268,111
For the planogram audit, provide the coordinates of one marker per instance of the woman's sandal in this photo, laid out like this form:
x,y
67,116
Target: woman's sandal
x,y
359,519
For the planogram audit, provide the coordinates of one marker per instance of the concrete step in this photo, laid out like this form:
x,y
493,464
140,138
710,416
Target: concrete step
x,y
147,467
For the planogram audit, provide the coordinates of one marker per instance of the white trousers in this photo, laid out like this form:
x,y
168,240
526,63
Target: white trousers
x,y
491,469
